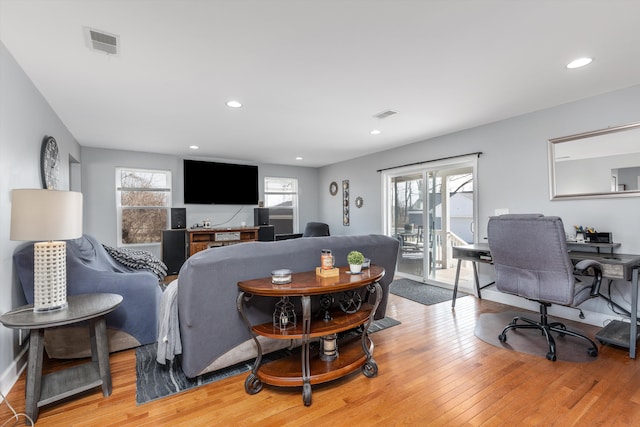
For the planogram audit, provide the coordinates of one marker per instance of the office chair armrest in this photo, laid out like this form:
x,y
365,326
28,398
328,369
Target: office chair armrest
x,y
581,269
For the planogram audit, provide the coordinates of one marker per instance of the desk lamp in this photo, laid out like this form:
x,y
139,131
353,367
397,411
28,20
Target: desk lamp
x,y
54,216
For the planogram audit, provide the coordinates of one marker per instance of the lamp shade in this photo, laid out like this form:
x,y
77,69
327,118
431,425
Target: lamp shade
x,y
45,214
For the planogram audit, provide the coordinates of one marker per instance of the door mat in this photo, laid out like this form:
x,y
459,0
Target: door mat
x,y
531,341
421,292
155,381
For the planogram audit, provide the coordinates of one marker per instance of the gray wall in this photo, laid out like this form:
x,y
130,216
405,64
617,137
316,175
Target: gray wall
x,y
98,185
25,118
512,171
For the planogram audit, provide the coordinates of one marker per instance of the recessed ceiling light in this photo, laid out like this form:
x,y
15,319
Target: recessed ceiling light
x,y
375,132
580,62
234,104
194,147
298,158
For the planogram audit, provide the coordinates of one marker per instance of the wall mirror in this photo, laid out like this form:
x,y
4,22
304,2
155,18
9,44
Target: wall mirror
x,y
596,164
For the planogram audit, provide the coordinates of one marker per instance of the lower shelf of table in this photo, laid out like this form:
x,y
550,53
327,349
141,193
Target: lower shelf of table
x,y
287,372
68,382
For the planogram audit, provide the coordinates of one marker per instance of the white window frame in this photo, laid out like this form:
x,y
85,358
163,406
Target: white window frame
x,y
119,207
294,192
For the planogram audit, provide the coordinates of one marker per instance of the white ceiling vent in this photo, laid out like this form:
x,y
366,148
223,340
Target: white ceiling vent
x,y
102,41
385,114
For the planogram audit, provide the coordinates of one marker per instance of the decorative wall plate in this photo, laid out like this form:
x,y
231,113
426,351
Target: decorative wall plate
x,y
359,202
345,202
333,188
50,163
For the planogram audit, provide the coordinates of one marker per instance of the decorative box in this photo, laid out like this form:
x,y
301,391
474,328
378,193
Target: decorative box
x,y
334,272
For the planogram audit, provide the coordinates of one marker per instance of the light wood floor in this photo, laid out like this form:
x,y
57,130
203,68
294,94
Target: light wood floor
x,y
432,371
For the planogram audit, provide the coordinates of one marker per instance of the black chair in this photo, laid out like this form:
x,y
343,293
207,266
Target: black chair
x,y
316,229
531,260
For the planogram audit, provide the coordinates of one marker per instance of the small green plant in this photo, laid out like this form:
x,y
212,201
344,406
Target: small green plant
x,y
355,257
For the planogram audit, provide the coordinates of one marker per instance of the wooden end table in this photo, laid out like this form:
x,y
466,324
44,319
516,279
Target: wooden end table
x,y
353,312
43,390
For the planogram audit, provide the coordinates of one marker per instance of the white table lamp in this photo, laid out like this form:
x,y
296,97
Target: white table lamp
x,y
53,216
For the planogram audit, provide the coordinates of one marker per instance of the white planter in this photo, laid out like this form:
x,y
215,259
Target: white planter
x,y
355,268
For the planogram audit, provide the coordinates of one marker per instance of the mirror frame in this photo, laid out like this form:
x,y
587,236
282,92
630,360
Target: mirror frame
x,y
552,164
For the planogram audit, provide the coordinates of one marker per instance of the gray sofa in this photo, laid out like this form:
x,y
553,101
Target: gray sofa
x,y
212,333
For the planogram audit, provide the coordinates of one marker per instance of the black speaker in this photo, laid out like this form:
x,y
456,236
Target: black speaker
x,y
266,233
260,216
174,250
178,218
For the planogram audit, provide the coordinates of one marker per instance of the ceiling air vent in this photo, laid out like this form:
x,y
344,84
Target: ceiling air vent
x,y
102,42
385,114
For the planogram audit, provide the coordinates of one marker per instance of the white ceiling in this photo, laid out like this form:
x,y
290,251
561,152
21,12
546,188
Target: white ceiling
x,y
312,73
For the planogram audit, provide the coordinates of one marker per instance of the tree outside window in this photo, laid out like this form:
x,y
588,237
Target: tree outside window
x,y
143,199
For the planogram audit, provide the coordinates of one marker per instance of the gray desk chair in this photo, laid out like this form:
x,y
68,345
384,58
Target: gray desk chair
x,y
531,260
316,229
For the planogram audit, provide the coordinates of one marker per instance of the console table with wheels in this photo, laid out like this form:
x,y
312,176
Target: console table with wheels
x,y
43,390
335,357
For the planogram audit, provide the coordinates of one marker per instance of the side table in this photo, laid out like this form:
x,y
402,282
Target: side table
x,y
43,390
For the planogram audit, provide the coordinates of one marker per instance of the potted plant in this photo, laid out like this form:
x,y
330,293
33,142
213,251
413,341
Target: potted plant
x,y
355,260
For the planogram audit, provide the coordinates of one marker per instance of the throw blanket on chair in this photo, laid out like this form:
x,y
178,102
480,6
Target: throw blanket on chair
x,y
139,260
169,344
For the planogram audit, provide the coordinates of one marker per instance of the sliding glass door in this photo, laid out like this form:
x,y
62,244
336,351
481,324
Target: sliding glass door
x,y
430,208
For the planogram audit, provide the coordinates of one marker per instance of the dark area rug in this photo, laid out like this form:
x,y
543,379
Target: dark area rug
x,y
531,341
155,381
421,292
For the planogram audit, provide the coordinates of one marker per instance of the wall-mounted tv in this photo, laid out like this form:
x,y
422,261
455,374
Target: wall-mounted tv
x,y
220,183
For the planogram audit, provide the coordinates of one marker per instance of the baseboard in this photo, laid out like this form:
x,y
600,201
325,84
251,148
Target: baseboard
x,y
10,376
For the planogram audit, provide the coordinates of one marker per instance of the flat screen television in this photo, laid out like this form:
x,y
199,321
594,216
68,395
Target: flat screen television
x,y
220,183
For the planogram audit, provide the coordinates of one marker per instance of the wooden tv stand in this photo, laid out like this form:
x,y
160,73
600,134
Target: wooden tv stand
x,y
204,238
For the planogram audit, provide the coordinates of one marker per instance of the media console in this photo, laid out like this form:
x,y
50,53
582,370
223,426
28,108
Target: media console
x,y
204,238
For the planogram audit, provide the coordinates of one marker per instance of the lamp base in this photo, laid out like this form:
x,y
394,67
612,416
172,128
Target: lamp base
x,y
49,276
50,309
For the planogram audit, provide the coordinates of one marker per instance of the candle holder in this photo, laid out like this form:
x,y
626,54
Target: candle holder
x,y
329,348
281,277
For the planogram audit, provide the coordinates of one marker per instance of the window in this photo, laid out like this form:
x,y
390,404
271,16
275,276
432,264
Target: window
x,y
281,197
143,200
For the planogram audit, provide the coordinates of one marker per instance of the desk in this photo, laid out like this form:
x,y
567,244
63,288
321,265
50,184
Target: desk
x,y
614,266
478,252
43,390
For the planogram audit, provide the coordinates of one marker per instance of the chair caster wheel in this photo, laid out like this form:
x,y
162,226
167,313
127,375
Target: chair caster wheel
x,y
593,352
502,337
551,356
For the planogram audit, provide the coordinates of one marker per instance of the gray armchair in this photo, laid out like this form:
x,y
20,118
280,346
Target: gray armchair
x,y
531,260
90,269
